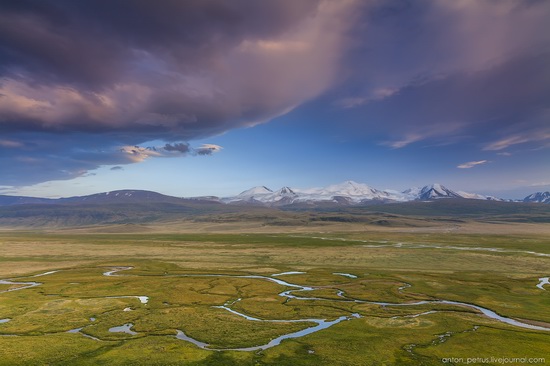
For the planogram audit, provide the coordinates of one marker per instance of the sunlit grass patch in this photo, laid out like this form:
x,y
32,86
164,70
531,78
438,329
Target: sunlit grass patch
x,y
185,276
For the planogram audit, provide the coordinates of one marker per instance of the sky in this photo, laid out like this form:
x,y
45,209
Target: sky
x,y
212,97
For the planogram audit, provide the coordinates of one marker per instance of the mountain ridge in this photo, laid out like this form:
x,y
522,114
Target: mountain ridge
x,y
345,193
538,197
349,193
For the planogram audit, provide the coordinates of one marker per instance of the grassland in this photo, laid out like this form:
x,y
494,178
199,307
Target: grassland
x,y
495,266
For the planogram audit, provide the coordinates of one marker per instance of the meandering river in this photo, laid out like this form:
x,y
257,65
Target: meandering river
x,y
289,294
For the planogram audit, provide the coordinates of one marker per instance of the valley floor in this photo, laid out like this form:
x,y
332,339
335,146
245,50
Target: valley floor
x,y
359,295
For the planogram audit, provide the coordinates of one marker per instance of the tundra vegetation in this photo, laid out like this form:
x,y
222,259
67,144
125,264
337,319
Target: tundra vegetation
x,y
493,265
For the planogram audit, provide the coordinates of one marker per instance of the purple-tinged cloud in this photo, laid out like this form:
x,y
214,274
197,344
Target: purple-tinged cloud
x,y
497,107
170,70
136,71
442,71
139,153
81,79
208,149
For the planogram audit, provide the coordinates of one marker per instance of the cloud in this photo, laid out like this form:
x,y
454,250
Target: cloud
x,y
403,42
180,70
420,133
404,141
140,153
170,71
506,142
56,157
181,147
492,108
208,149
463,62
80,79
118,167
471,164
375,95
10,144
518,139
137,154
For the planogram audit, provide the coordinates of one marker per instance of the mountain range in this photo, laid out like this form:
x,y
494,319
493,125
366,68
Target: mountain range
x,y
346,193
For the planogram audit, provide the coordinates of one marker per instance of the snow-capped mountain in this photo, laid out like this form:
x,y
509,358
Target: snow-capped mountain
x,y
477,196
253,192
262,194
436,191
539,197
413,192
348,192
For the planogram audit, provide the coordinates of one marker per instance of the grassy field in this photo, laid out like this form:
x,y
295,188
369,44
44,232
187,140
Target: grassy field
x,y
477,263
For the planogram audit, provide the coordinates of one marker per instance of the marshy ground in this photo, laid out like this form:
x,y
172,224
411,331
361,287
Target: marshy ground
x,y
497,271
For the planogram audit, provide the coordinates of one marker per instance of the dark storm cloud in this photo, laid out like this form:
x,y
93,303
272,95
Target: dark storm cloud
x,y
450,70
136,71
92,43
499,107
169,69
86,83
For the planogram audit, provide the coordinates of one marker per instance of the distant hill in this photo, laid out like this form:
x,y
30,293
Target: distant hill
x,y
21,200
87,213
76,214
121,196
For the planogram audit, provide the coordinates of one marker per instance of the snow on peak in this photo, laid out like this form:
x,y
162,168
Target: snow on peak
x,y
435,191
264,195
255,190
473,196
435,187
539,197
349,192
412,192
285,191
350,188
477,196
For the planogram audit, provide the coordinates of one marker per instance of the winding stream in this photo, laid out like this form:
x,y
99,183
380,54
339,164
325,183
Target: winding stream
x,y
543,281
287,273
25,285
386,244
348,275
289,295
